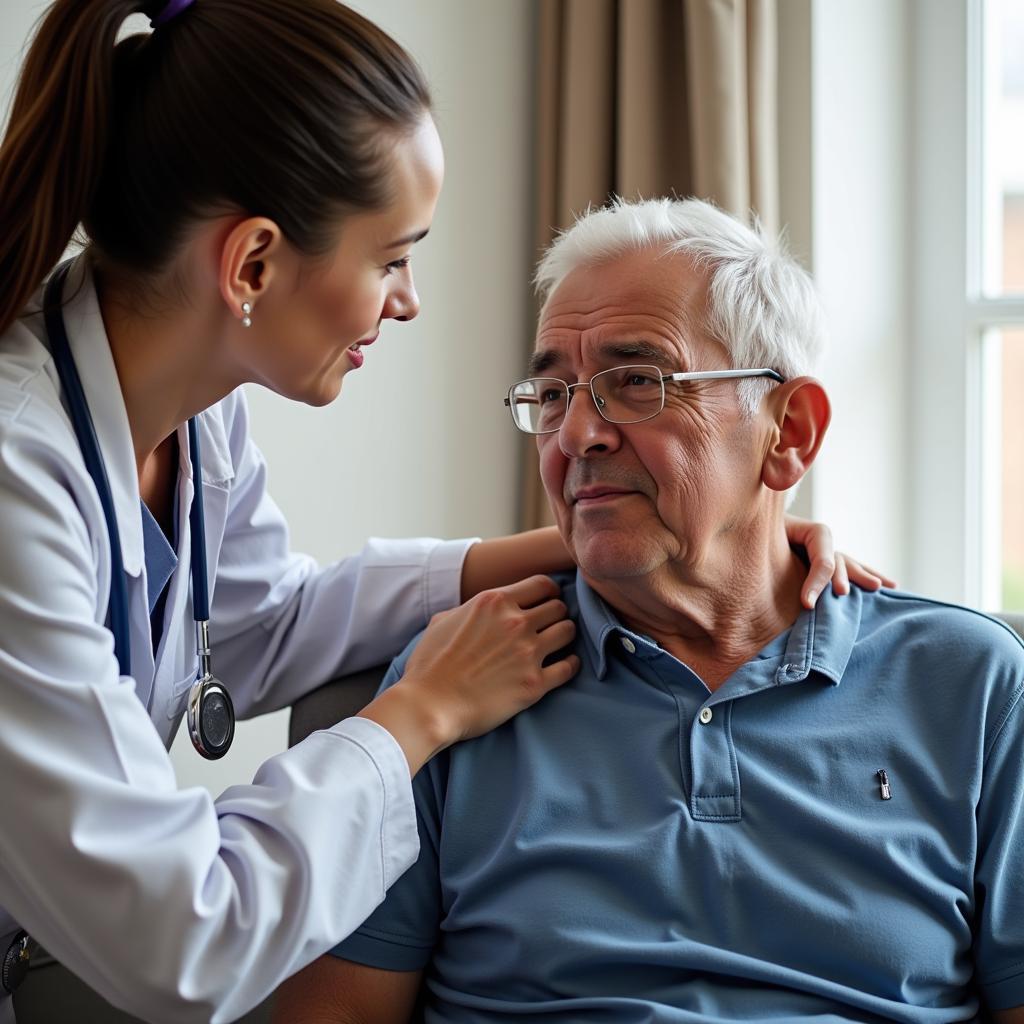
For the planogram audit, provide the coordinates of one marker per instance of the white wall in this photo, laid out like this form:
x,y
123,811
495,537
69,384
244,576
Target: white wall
x,y
845,92
384,460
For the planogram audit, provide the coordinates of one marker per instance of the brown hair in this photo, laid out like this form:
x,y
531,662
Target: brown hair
x,y
278,108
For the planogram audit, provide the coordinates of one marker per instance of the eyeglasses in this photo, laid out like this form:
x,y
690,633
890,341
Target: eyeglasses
x,y
623,394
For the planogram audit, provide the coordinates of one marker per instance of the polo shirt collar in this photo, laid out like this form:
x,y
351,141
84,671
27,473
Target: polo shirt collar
x,y
599,623
821,640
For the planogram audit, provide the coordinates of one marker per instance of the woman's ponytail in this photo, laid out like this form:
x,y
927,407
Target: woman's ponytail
x,y
278,108
53,151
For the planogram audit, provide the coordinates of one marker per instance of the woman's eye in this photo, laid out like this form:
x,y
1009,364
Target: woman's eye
x,y
396,265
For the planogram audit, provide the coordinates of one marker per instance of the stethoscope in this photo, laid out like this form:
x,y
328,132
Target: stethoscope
x,y
210,713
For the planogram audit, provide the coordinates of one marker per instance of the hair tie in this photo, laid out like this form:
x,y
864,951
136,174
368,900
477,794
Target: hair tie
x,y
171,10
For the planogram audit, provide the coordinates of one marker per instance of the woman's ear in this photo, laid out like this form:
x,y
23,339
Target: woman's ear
x,y
801,412
247,265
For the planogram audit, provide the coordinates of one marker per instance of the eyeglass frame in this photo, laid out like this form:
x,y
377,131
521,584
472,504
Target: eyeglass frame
x,y
682,375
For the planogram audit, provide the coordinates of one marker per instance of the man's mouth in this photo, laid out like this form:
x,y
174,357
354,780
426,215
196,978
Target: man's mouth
x,y
598,494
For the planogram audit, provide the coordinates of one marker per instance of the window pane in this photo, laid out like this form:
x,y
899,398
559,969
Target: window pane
x,y
1003,162
1013,470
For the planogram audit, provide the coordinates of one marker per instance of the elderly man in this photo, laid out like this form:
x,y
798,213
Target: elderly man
x,y
740,810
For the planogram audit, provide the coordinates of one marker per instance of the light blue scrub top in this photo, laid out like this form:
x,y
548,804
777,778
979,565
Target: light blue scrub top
x,y
638,849
160,562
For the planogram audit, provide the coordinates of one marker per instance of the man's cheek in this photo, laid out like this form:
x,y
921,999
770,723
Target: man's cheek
x,y
553,465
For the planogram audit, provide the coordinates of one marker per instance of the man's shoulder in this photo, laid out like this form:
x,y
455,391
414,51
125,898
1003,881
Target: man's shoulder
x,y
567,585
942,623
947,648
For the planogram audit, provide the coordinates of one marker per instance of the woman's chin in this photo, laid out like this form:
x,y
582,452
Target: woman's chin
x,y
325,391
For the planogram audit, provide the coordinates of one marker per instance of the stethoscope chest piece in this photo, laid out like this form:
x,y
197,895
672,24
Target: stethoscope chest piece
x,y
210,713
211,717
15,962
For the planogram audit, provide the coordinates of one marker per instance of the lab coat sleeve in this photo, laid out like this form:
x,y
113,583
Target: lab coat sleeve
x,y
280,625
174,906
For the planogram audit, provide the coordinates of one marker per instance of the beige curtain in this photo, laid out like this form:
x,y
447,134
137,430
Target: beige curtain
x,y
649,98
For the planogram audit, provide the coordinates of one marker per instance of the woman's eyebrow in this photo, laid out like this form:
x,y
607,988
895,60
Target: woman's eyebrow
x,y
408,239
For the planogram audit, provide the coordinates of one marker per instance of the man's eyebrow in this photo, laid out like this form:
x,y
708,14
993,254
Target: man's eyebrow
x,y
634,350
612,351
542,361
408,239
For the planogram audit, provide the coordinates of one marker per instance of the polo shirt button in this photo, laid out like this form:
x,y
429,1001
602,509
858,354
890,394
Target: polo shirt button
x,y
629,645
705,716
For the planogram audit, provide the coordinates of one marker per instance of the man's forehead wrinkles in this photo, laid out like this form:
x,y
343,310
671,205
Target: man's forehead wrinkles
x,y
672,315
646,349
557,343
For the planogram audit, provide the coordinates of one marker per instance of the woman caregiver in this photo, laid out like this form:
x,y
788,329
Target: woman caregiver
x,y
251,177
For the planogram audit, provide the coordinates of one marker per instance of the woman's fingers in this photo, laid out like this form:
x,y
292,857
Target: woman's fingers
x,y
547,614
532,590
817,579
560,672
866,577
840,578
555,637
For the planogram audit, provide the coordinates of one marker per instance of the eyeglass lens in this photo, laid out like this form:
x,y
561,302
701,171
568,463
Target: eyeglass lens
x,y
624,394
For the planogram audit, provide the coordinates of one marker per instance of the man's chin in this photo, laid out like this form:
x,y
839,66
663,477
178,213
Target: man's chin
x,y
613,558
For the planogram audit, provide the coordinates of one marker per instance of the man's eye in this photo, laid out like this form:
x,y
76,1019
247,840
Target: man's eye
x,y
550,395
638,380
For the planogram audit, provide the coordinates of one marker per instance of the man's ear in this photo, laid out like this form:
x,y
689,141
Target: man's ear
x,y
247,266
801,412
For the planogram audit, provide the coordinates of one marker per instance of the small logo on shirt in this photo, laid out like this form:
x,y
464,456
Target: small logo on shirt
x,y
883,784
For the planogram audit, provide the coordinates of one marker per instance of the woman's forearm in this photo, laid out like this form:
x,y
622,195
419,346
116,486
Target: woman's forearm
x,y
503,560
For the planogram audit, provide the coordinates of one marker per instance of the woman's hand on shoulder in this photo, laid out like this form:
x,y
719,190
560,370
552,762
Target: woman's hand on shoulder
x,y
829,565
476,666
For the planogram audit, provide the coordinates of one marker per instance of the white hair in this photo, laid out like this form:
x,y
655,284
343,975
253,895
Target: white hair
x,y
762,305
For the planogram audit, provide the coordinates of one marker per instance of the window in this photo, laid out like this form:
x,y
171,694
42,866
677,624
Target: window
x,y
967,198
995,291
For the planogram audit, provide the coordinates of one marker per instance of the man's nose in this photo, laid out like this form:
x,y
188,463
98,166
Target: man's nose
x,y
584,430
402,302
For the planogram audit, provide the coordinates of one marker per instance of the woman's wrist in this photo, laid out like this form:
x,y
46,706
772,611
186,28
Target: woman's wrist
x,y
414,722
504,560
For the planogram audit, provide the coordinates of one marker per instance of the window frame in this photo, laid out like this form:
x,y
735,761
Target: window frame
x,y
956,395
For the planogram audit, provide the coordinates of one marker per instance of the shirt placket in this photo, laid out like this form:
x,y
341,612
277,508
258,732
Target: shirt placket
x,y
715,795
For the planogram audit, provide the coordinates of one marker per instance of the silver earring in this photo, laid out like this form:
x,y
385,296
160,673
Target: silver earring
x,y
246,314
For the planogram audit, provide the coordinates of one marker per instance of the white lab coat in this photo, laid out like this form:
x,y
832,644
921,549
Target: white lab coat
x,y
173,905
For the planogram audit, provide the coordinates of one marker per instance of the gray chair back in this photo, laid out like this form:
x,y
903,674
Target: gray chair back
x,y
1015,620
330,703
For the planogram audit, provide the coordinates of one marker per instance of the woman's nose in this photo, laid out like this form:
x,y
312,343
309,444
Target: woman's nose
x,y
402,302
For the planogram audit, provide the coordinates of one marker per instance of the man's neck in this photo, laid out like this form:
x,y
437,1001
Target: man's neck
x,y
716,616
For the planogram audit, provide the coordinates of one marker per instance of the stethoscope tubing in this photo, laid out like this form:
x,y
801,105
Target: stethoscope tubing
x,y
211,735
197,521
85,431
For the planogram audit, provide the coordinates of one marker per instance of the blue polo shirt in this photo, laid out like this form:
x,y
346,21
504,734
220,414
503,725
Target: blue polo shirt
x,y
635,848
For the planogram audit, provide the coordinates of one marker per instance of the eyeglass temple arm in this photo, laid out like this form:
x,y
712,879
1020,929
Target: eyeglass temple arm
x,y
724,375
